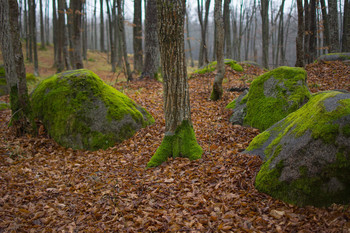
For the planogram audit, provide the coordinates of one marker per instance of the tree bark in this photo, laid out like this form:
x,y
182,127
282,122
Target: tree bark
x,y
300,37
151,62
189,40
42,30
35,47
77,7
60,35
326,36
265,32
179,139
312,32
54,33
346,27
203,51
123,40
102,28
217,91
22,118
227,26
112,40
333,26
137,36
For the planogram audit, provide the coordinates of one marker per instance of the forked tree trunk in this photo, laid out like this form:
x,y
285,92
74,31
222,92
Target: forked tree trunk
x,y
203,50
137,36
217,91
179,139
22,118
151,62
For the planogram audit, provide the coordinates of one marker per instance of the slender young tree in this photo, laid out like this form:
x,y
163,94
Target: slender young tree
x,y
346,27
102,28
189,39
227,26
326,36
54,32
217,91
22,118
179,139
42,30
60,36
137,36
151,62
203,51
123,40
333,26
312,32
300,37
35,47
264,10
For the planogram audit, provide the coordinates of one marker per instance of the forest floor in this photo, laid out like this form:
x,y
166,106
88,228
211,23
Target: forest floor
x,y
45,187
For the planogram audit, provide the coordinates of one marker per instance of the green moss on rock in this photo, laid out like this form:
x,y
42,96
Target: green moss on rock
x,y
212,66
31,78
80,111
4,106
265,109
182,143
259,140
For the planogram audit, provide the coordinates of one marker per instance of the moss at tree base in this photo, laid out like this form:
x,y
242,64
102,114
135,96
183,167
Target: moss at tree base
x,y
182,143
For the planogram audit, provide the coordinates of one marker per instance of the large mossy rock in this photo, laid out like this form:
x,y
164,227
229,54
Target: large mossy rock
x,y
271,97
307,154
334,57
82,112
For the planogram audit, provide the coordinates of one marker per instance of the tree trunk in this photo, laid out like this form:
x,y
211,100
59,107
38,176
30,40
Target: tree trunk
x,y
137,39
189,39
22,118
307,20
102,28
179,139
77,7
312,32
217,91
265,32
60,35
151,62
42,30
300,37
47,23
35,49
123,40
84,33
333,26
26,28
112,40
203,52
346,27
326,35
227,26
54,33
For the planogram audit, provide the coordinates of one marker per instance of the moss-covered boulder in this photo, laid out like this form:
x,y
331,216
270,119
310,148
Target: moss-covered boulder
x,y
82,112
334,57
4,106
271,97
307,154
212,66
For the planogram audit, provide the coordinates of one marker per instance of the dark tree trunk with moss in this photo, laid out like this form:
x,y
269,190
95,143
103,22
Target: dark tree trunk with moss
x,y
77,7
11,48
137,36
151,62
179,139
217,91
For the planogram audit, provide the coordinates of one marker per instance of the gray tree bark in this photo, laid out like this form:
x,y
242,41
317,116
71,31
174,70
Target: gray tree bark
x,y
60,36
33,36
265,32
217,91
333,26
151,62
300,37
102,28
203,51
227,26
346,27
22,119
77,7
137,36
326,36
179,139
42,30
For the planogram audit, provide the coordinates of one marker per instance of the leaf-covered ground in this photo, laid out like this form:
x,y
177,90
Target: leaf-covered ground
x,y
45,187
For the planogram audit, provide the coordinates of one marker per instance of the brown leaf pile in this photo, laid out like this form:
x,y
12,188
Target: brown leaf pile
x,y
45,187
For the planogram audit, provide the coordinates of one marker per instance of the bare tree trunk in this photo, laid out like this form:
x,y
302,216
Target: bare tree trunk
x,y
312,32
326,35
300,38
22,118
60,35
280,35
117,36
346,27
42,30
179,139
102,28
234,37
84,33
189,40
123,41
333,26
217,91
137,36
77,8
35,49
30,31
151,63
227,26
265,31
112,40
26,28
307,20
54,33
47,23
203,52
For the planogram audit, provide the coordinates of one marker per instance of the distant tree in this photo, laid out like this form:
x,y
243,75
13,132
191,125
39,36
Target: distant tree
x,y
137,36
188,38
22,118
151,62
42,31
312,32
227,26
77,7
217,91
102,34
333,26
33,36
60,36
300,37
264,10
326,36
346,27
179,139
203,50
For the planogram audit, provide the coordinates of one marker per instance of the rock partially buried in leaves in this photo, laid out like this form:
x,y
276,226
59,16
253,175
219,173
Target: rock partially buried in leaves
x,y
334,57
271,97
82,112
307,154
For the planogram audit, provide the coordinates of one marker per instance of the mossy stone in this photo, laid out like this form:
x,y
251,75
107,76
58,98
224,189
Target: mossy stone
x,y
82,112
334,57
212,66
307,154
4,106
272,96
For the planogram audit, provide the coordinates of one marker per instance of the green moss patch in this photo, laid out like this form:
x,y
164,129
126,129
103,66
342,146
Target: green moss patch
x,y
289,94
80,111
4,106
212,66
182,143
